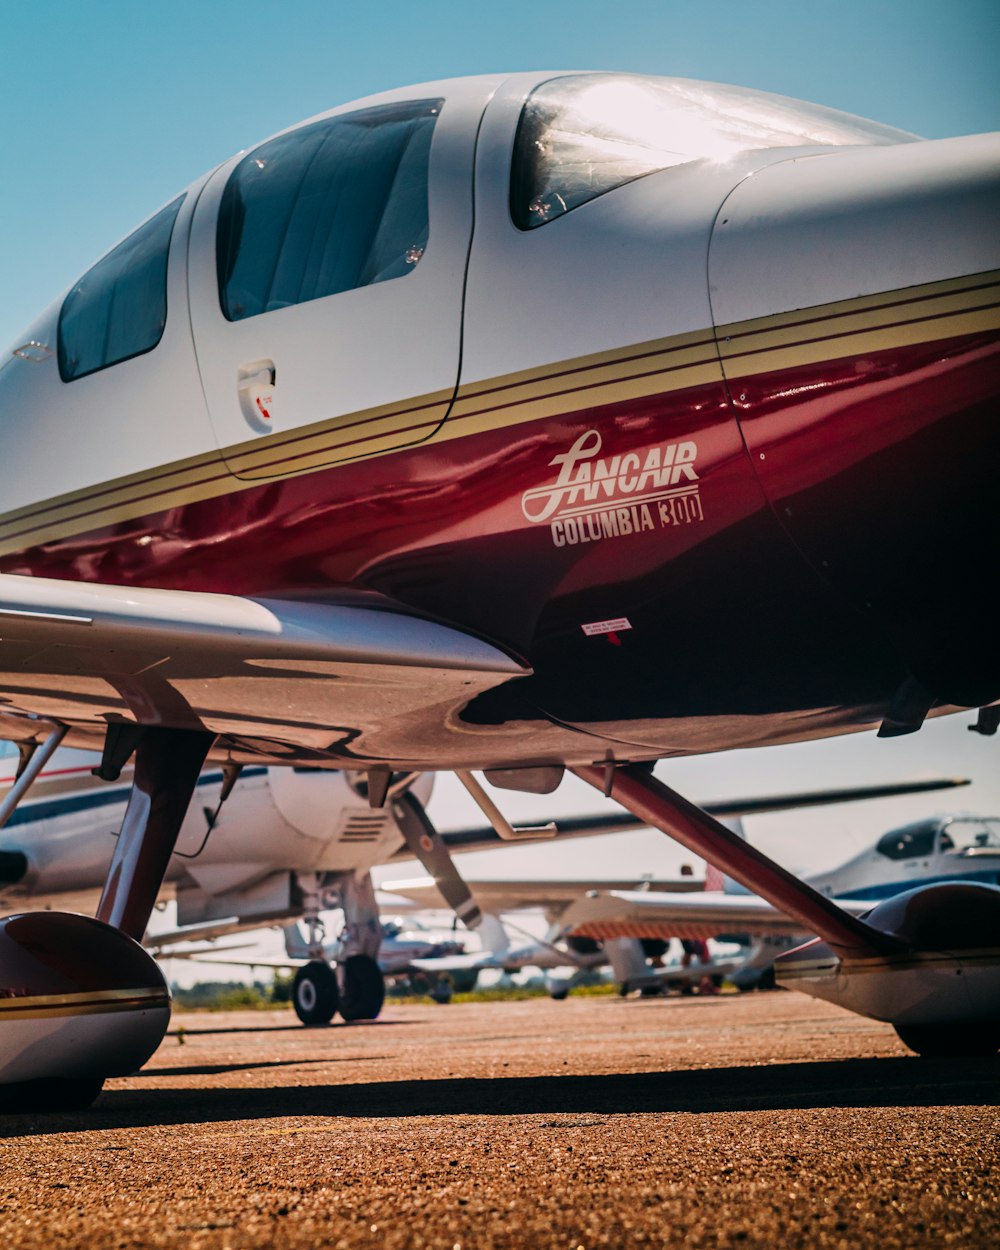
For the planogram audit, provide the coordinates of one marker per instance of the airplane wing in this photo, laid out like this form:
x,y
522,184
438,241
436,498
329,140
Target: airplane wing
x,y
482,837
217,955
501,896
472,961
638,914
276,965
84,655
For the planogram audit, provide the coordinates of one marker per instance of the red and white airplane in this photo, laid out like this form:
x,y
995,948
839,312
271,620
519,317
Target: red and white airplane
x,y
515,423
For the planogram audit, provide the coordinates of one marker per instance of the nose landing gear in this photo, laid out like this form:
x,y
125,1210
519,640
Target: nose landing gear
x,y
345,976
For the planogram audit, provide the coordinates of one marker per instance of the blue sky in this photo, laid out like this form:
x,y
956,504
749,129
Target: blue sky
x,y
109,108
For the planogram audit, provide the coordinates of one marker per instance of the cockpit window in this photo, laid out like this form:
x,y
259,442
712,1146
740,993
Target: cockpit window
x,y
118,309
329,207
585,134
971,833
910,842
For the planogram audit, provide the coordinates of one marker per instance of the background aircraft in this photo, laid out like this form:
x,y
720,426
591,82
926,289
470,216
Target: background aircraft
x,y
549,515
620,916
403,944
939,849
284,845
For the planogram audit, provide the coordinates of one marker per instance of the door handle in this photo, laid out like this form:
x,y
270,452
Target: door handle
x,y
255,385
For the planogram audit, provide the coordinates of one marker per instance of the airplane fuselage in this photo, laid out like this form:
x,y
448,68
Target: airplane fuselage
x,y
712,452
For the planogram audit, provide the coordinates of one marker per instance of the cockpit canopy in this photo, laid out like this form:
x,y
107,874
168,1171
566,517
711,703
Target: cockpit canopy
x,y
959,834
584,134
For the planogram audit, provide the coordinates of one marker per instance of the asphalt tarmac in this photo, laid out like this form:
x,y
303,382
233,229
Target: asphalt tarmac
x,y
762,1120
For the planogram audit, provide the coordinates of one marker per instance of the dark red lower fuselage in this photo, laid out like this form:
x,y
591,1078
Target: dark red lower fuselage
x,y
847,541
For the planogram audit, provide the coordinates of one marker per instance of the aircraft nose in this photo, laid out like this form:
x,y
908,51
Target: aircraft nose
x,y
854,222
856,298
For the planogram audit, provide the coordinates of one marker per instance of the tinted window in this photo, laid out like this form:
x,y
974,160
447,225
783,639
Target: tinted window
x,y
586,134
910,842
119,308
330,207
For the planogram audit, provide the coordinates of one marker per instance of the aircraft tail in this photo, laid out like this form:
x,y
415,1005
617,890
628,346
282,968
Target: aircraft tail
x,y
715,878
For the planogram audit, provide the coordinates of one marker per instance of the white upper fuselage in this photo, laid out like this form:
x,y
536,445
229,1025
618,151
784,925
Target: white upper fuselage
x,y
357,351
943,848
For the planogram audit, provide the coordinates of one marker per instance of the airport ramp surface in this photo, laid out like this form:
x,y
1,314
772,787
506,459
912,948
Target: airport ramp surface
x,y
757,1120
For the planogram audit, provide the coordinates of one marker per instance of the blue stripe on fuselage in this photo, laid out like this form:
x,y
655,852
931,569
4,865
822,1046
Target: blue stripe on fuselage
x,y
876,893
49,809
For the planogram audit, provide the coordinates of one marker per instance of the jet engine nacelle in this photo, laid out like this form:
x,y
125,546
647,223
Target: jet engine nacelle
x,y
940,989
79,1001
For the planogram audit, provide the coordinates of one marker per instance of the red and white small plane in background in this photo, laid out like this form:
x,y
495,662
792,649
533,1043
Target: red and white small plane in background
x,y
457,428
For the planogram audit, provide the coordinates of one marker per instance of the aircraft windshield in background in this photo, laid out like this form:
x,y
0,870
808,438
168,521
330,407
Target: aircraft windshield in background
x,y
343,483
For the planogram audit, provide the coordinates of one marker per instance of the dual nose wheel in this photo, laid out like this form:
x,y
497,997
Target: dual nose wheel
x,y
356,989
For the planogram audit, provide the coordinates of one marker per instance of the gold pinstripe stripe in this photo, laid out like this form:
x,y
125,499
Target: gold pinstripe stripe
x,y
386,428
83,1003
984,958
910,334
380,430
862,303
739,342
786,340
173,475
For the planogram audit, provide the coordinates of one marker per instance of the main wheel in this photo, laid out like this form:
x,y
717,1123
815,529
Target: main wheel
x,y
441,990
950,1041
49,1094
363,991
463,981
314,993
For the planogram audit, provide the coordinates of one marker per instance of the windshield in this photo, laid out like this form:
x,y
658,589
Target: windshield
x,y
585,134
964,833
909,842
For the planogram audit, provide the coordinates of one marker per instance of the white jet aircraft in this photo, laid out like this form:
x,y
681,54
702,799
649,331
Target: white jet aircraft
x,y
455,429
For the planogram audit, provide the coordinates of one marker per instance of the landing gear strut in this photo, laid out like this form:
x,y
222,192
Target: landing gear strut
x,y
922,960
354,984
